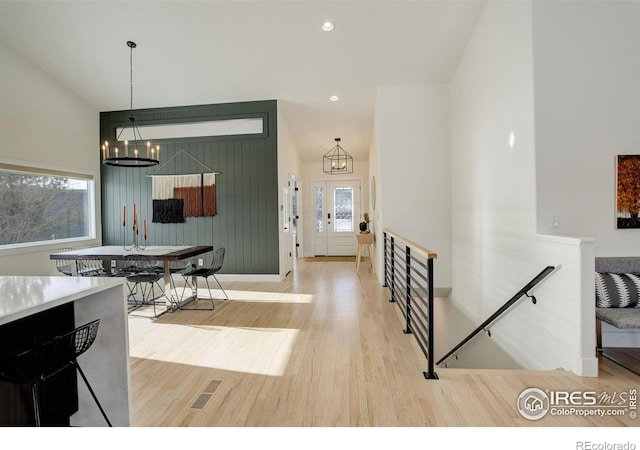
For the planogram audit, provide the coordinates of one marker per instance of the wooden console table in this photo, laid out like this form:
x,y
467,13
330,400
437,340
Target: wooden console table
x,y
365,240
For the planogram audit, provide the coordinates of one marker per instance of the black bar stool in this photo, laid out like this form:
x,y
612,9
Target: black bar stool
x,y
40,363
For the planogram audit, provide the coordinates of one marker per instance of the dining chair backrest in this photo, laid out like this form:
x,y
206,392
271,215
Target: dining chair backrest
x,y
136,263
205,272
218,260
89,266
65,266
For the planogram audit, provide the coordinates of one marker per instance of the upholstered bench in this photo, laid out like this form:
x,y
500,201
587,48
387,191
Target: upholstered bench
x,y
620,317
617,292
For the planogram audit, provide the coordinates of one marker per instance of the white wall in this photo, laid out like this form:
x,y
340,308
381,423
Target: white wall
x,y
587,85
493,185
412,150
44,124
312,172
288,164
495,247
375,226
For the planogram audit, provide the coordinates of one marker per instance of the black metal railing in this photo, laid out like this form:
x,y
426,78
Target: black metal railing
x,y
524,292
408,273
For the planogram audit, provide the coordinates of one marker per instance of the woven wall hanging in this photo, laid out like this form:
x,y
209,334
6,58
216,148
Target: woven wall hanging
x,y
176,197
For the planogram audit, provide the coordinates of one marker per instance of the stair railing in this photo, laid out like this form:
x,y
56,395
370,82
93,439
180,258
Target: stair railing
x,y
408,274
524,292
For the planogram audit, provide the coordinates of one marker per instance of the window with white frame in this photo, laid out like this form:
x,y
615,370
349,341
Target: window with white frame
x,y
42,206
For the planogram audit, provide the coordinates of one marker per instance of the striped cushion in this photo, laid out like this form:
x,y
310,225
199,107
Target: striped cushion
x,y
617,290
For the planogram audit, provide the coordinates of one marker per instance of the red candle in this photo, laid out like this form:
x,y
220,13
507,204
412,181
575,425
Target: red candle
x,y
135,215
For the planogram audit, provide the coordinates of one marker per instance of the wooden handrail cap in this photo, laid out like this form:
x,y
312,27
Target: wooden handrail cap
x,y
415,247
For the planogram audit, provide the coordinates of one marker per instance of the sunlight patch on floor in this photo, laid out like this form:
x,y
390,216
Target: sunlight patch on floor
x,y
245,295
271,297
264,351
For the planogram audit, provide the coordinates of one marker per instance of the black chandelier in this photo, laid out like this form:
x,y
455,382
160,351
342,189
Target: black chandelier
x,y
337,160
133,153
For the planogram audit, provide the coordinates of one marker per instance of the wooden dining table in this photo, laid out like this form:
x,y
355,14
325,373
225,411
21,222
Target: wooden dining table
x,y
164,253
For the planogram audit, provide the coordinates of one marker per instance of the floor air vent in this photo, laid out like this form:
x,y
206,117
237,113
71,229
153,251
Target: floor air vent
x,y
206,394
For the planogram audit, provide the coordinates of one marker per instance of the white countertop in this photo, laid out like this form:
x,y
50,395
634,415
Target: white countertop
x,y
24,296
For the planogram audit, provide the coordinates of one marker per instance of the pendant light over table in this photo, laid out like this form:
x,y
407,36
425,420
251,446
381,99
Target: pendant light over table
x,y
134,153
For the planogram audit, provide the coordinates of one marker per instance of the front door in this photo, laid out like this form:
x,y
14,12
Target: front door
x,y
337,217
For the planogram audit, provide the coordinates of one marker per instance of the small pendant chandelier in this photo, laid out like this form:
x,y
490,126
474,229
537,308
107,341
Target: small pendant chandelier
x,y
337,160
134,153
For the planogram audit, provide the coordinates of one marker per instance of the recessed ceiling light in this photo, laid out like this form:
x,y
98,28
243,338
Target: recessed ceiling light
x,y
334,98
327,26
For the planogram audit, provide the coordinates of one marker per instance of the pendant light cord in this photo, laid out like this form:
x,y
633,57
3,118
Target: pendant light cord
x,y
131,78
141,157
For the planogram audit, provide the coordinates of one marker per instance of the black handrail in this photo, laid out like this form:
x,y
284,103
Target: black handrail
x,y
524,291
408,273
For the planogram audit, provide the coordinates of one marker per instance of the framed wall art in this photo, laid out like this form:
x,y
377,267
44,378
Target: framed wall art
x,y
628,191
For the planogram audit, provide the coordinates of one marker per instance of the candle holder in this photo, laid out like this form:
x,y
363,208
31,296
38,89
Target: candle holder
x,y
135,245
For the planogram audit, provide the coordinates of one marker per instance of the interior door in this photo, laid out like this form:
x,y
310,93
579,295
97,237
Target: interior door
x,y
295,218
337,217
286,221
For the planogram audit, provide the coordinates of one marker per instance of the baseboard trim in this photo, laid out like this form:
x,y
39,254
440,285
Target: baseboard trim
x,y
251,277
587,367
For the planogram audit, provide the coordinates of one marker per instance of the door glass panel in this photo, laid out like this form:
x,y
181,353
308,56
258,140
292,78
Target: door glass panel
x,y
319,209
294,208
343,204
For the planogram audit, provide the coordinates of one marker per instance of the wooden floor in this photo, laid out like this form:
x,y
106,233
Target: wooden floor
x,y
324,348
626,357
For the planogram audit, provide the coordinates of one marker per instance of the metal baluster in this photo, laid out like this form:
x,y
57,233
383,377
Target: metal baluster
x,y
393,271
385,258
408,270
430,374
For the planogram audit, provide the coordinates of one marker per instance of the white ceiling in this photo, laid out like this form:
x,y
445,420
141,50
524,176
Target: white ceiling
x,y
201,52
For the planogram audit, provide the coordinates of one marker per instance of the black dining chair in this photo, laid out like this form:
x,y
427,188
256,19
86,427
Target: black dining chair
x,y
206,272
175,268
65,266
141,274
42,362
90,266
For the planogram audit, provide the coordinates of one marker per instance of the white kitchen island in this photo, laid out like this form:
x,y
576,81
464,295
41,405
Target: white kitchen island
x,y
106,363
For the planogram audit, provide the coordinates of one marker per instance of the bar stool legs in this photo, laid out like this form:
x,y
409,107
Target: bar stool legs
x,y
47,360
35,388
93,394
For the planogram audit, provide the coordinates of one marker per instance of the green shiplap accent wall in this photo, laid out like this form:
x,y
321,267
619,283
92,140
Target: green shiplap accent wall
x,y
246,222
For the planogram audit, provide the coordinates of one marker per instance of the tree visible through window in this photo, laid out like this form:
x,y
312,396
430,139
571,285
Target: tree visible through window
x,y
39,207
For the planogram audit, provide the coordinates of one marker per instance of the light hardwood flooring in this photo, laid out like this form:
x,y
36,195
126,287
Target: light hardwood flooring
x,y
324,348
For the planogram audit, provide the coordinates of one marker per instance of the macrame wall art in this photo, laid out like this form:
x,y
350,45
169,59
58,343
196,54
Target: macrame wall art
x,y
176,197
